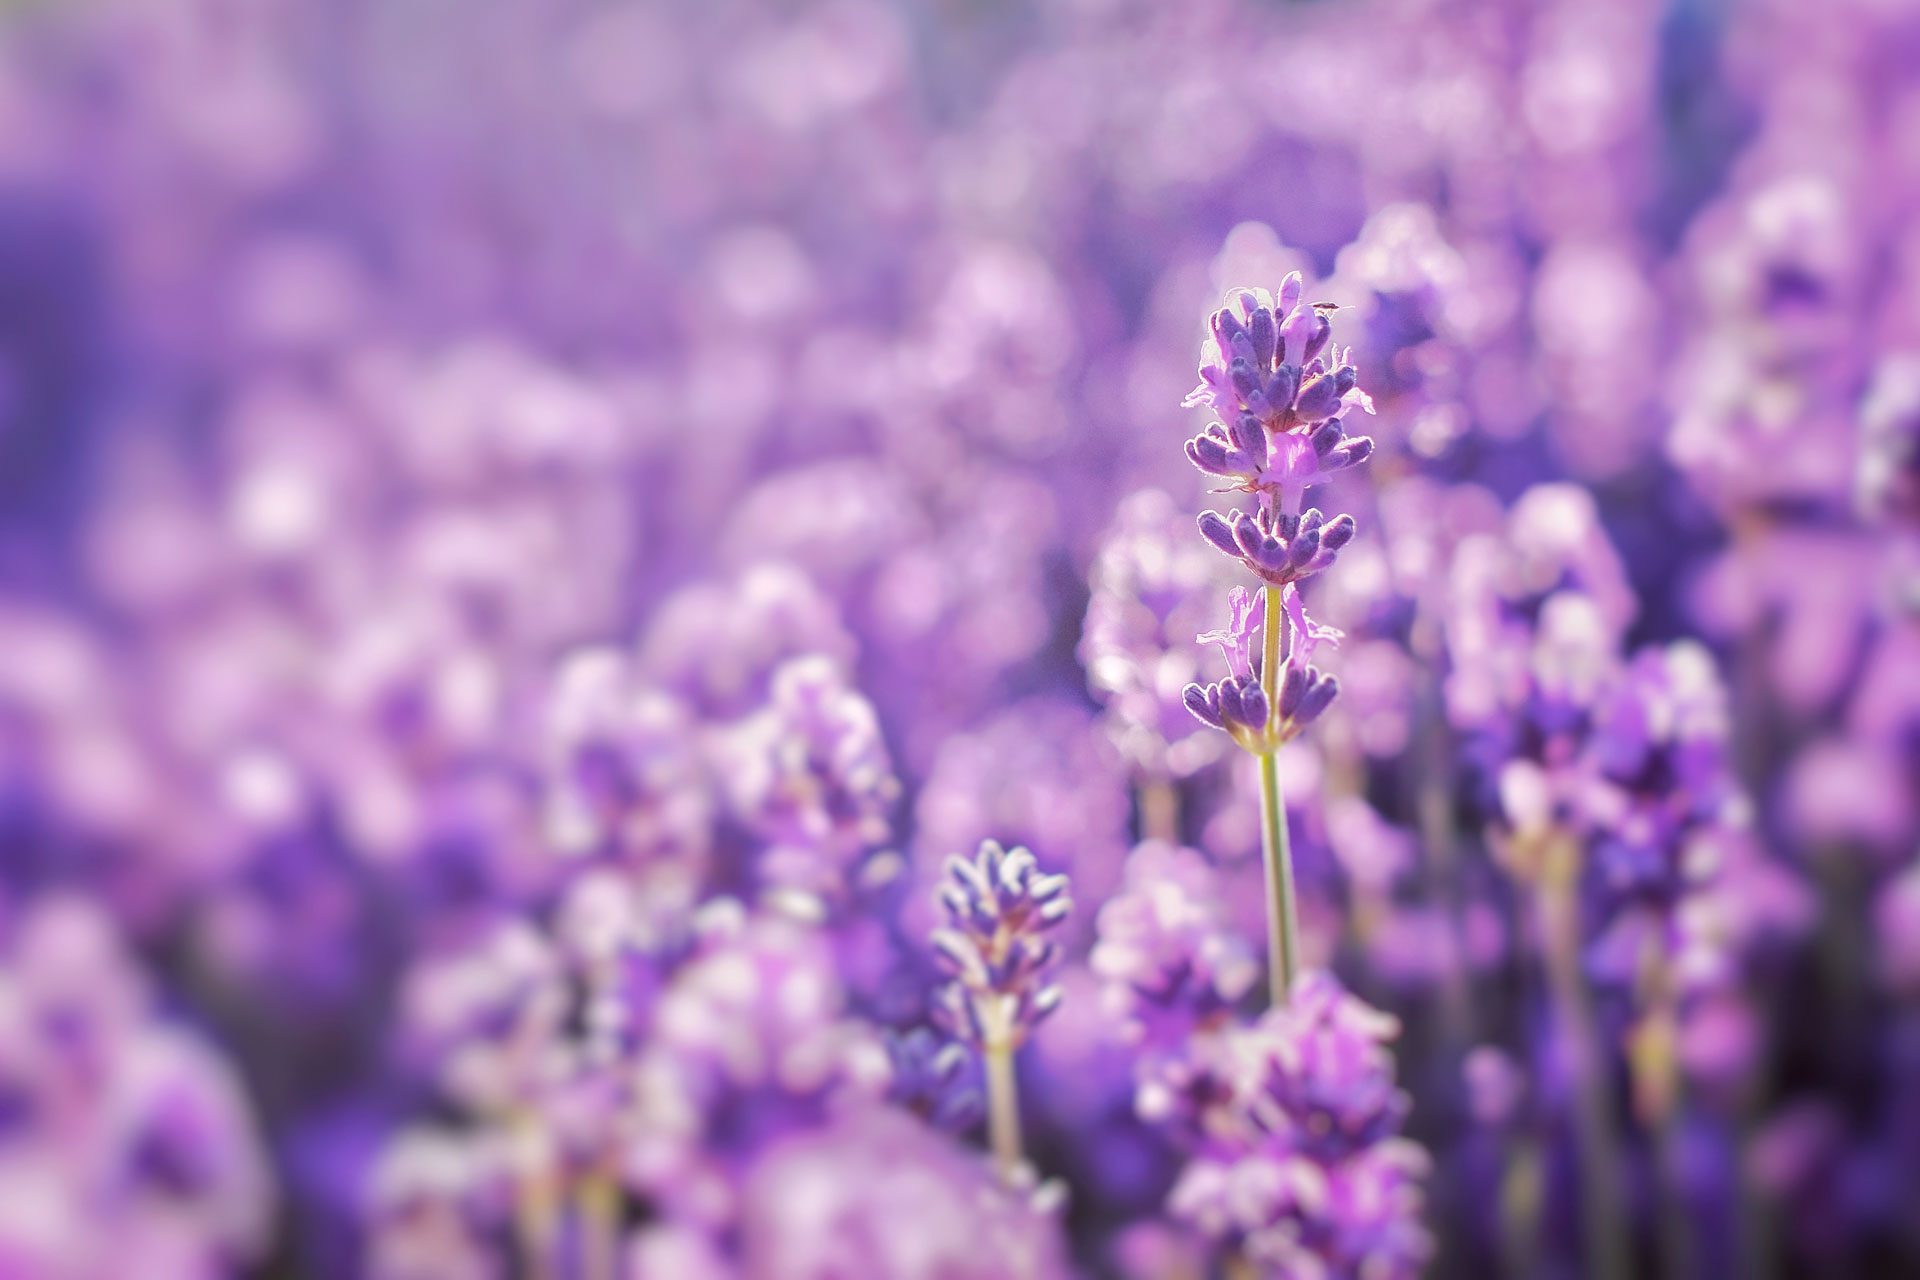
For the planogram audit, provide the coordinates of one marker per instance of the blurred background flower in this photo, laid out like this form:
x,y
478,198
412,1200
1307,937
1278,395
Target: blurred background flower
x,y
531,532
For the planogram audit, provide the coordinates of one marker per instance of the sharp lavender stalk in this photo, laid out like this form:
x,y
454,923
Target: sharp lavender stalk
x,y
1279,388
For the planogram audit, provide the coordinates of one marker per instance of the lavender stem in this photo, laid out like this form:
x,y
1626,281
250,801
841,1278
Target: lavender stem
x,y
1657,1094
1283,926
599,1206
1003,1110
536,1209
1600,1218
1239,1267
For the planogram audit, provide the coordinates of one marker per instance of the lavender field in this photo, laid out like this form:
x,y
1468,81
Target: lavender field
x,y
959,639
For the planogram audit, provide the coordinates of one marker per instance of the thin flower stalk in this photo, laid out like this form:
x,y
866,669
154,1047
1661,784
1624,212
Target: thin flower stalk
x,y
536,1203
1279,388
597,1200
1283,916
1557,907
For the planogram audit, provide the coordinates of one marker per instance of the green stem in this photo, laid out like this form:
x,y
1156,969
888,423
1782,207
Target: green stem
x,y
1676,1226
536,1208
1521,1190
1160,811
1003,1110
598,1199
1433,803
1759,1242
1601,1220
1658,1099
1283,925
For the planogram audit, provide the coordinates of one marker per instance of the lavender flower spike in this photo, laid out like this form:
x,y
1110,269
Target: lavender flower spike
x,y
999,909
1279,388
1239,704
1279,549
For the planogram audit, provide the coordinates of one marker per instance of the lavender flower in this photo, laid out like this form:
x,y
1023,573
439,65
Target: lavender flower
x,y
811,775
1306,1173
1150,586
1321,1075
1293,1217
1170,963
625,781
124,1131
877,1195
999,910
1278,387
932,1078
1279,548
1282,434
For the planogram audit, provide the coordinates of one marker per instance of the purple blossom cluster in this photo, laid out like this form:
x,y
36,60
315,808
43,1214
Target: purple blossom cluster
x,y
999,909
1302,1171
116,1113
583,582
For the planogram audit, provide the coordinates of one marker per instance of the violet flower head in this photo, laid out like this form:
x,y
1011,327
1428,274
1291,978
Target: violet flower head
x,y
1293,1217
1239,703
1278,548
811,774
625,782
1279,388
436,1202
1169,958
1000,909
1662,810
1324,1072
934,1078
874,1194
1151,584
1314,1179
1887,474
125,1134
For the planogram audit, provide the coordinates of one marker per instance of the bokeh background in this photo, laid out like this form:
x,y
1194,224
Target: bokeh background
x,y
529,528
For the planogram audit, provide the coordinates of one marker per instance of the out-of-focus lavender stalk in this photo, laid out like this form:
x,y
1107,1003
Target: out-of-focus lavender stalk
x,y
1557,909
536,1201
1438,835
598,1204
1653,1058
